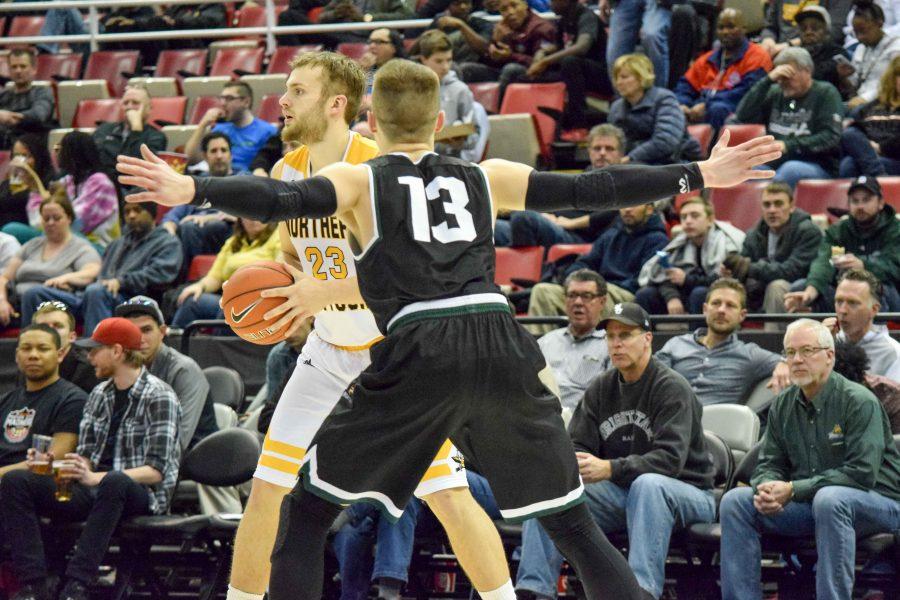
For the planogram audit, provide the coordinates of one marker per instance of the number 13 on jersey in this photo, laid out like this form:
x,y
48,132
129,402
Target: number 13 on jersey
x,y
420,195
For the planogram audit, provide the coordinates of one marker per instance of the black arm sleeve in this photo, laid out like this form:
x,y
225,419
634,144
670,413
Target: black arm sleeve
x,y
616,186
264,199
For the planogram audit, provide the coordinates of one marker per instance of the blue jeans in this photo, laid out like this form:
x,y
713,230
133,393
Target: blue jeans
x,y
94,305
64,21
653,302
502,233
645,21
792,171
859,156
649,510
205,307
836,516
530,228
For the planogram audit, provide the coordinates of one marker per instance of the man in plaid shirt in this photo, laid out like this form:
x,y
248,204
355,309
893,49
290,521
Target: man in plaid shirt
x,y
125,464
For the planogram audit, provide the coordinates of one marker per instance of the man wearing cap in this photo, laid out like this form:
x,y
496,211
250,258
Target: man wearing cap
x,y
869,239
125,464
642,456
783,22
814,27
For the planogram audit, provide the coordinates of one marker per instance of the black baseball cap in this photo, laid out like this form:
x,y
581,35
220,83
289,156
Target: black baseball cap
x,y
628,313
141,305
867,183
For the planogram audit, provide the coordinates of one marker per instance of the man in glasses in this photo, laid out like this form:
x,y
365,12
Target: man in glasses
x,y
828,468
234,118
126,136
75,366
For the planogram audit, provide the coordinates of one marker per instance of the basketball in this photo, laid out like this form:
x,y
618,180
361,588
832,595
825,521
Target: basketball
x,y
244,307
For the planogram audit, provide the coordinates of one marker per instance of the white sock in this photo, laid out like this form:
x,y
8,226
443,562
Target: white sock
x,y
504,592
236,594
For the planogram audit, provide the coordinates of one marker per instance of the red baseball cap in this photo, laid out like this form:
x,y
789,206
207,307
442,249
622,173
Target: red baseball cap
x,y
114,330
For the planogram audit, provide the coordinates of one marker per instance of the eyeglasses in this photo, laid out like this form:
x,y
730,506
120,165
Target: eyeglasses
x,y
380,42
804,352
54,304
586,296
228,98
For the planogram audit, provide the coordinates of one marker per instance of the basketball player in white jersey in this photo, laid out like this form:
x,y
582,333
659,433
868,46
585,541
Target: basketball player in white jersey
x,y
323,96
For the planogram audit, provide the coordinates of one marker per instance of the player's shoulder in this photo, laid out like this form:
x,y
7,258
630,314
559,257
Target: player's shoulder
x,y
361,149
297,157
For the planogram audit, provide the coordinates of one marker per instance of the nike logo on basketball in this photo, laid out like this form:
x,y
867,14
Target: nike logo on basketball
x,y
237,318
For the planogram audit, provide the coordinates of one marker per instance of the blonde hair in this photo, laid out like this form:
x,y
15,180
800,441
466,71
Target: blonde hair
x,y
706,204
406,100
340,77
432,42
887,88
638,64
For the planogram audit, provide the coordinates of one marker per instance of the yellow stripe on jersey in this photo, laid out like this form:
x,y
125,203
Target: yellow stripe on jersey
x,y
283,448
444,452
437,471
278,464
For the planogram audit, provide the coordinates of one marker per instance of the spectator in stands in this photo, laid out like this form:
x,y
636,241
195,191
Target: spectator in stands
x,y
872,56
721,368
690,264
126,464
252,241
782,30
777,251
9,246
633,21
247,133
179,371
468,33
365,11
618,255
297,13
142,261
714,85
57,260
804,116
531,228
574,59
25,187
75,366
871,144
851,361
126,136
654,125
383,45
642,455
92,191
828,467
64,21
869,239
24,107
43,403
814,26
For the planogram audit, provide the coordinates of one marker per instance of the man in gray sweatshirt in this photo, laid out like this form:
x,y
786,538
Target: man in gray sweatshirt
x,y
642,457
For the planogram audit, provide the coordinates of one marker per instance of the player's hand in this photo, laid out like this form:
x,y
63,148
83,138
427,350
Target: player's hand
x,y
593,469
163,184
303,299
727,167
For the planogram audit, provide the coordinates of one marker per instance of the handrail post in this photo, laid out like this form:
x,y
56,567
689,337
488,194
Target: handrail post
x,y
94,25
270,23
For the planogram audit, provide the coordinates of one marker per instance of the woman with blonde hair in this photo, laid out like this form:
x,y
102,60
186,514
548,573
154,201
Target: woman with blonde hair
x,y
871,141
653,122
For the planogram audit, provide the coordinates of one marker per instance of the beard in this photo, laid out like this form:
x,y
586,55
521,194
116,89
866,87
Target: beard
x,y
308,128
801,380
721,329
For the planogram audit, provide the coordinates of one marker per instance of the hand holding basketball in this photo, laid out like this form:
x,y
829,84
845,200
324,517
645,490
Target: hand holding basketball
x,y
244,306
302,299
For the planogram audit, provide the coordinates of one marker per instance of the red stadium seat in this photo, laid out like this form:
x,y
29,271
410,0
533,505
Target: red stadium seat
x,y
110,65
2,24
528,98
26,25
816,195
199,108
229,60
739,205
703,133
170,62
314,13
487,94
5,157
557,251
890,187
354,50
269,108
90,112
740,133
251,16
281,58
64,65
170,109
519,263
200,266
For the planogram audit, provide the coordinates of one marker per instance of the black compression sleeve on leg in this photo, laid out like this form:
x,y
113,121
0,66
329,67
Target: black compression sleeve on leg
x,y
601,568
267,200
298,556
611,187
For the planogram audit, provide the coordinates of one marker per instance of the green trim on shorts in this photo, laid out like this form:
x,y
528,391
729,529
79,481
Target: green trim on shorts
x,y
309,486
546,511
440,313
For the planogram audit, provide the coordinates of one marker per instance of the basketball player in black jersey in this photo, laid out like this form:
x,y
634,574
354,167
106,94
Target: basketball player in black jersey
x,y
453,363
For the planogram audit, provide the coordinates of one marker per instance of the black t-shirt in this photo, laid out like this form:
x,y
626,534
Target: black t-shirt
x,y
120,406
583,21
55,409
76,368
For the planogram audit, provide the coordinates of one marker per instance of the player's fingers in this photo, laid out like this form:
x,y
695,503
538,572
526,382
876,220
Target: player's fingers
x,y
284,321
760,174
141,182
141,197
279,310
139,169
754,142
147,153
723,140
294,271
288,291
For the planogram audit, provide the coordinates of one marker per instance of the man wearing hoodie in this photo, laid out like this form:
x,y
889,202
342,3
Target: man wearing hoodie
x,y
869,239
617,255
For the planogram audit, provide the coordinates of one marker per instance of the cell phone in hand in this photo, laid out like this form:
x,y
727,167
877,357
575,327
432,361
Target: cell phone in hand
x,y
842,60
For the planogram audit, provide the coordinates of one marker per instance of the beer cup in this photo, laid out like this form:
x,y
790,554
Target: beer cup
x,y
41,462
63,486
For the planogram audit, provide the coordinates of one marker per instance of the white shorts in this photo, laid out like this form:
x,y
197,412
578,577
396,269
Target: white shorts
x,y
322,374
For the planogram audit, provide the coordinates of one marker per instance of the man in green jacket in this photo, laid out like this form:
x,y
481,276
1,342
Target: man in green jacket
x,y
869,239
126,136
828,468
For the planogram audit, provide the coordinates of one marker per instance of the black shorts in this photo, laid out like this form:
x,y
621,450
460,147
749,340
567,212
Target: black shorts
x,y
470,375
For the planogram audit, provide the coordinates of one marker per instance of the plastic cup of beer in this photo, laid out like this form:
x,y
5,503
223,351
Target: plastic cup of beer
x,y
41,463
63,486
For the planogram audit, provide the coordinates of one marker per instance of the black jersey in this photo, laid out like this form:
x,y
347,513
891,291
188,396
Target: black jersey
x,y
434,233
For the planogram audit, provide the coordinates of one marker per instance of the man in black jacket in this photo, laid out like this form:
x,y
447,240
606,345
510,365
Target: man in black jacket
x,y
776,252
126,136
642,457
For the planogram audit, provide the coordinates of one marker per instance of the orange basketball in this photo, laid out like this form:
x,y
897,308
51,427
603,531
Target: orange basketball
x,y
244,307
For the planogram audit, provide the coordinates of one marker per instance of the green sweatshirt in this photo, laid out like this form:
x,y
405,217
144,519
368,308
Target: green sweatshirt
x,y
809,126
843,437
878,248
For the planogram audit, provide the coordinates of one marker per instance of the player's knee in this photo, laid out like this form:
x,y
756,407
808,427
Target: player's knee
x,y
449,504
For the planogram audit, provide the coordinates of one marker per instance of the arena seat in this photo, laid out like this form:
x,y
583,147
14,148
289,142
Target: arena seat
x,y
171,110
177,136
487,94
890,187
237,61
514,137
264,85
280,62
70,93
226,386
739,205
181,63
741,132
816,195
703,133
112,65
736,424
354,50
519,263
199,107
200,266
194,87
90,112
67,66
25,25
529,98
251,16
159,87
5,157
557,251
270,109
